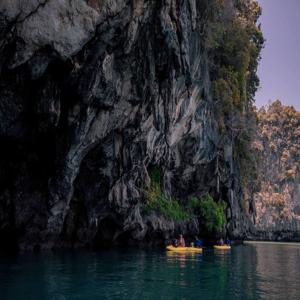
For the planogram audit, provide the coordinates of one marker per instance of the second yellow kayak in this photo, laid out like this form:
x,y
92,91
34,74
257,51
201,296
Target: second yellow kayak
x,y
224,247
184,249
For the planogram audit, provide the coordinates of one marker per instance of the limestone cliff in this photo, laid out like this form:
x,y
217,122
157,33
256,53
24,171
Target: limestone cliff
x,y
278,200
95,93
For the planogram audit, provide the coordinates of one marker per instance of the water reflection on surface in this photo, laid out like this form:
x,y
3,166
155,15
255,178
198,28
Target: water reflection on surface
x,y
245,272
277,268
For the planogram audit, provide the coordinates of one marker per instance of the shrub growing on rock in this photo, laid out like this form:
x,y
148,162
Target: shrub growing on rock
x,y
212,213
157,201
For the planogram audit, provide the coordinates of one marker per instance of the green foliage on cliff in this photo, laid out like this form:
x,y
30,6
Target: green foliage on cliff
x,y
157,201
234,42
211,213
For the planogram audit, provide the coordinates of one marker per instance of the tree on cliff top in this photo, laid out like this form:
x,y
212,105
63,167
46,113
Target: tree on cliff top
x,y
234,42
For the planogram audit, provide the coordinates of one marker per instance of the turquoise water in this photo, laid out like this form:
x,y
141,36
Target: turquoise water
x,y
246,272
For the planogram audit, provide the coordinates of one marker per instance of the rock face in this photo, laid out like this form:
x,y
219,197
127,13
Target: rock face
x,y
278,201
92,94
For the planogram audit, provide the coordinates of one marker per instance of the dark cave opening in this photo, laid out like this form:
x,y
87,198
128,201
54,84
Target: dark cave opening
x,y
106,233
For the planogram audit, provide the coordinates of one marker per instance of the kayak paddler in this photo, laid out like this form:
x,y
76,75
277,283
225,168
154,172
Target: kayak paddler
x,y
181,242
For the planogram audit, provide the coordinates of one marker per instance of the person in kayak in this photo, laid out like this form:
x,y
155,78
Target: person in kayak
x,y
175,243
181,242
221,242
198,243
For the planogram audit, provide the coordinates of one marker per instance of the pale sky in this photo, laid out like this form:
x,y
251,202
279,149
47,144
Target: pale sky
x,y
279,69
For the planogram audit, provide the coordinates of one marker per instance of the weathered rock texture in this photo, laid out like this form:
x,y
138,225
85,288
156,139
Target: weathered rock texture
x,y
93,93
278,201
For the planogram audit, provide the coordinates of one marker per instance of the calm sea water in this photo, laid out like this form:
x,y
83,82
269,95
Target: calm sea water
x,y
246,272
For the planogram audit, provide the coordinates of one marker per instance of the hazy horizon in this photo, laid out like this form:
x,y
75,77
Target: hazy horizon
x,y
279,69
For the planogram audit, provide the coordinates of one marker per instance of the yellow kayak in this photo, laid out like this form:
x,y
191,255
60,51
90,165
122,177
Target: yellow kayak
x,y
224,247
183,249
